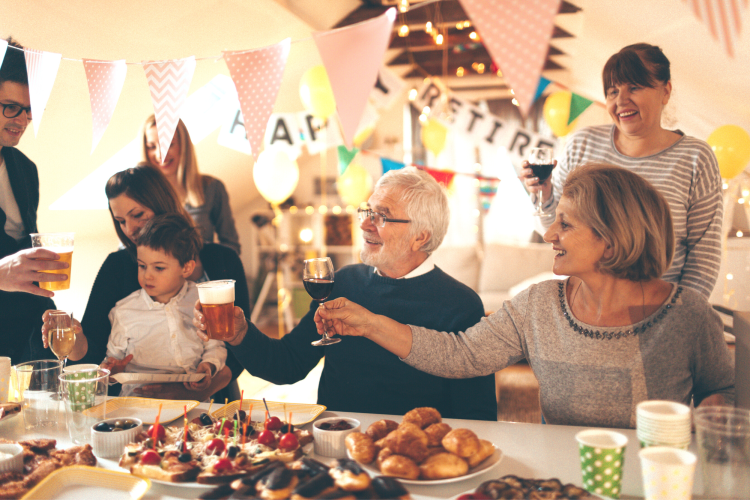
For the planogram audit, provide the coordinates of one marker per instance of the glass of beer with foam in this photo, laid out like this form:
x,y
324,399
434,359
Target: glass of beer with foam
x,y
61,244
217,301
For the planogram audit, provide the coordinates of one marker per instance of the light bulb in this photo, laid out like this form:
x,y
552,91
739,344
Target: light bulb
x,y
309,210
740,234
323,209
428,27
413,94
403,6
306,235
336,210
460,71
293,209
515,101
403,31
473,35
439,39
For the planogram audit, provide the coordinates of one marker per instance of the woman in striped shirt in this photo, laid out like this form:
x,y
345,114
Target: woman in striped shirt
x,y
637,86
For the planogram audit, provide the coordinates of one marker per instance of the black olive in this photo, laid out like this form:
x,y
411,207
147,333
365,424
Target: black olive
x,y
149,443
232,451
250,430
285,428
206,419
185,457
242,415
102,427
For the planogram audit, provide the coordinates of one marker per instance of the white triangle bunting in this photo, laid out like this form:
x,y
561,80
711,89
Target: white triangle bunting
x,y
42,69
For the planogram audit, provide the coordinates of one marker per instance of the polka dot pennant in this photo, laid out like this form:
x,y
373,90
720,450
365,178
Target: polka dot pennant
x,y
105,80
42,69
257,77
517,35
602,469
169,82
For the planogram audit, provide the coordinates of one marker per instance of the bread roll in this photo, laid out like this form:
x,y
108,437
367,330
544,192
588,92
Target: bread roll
x,y
436,433
462,442
443,466
361,447
485,450
408,440
381,428
422,417
399,466
382,455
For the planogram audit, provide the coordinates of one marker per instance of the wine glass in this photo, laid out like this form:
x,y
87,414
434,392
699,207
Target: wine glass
x,y
541,162
62,337
317,277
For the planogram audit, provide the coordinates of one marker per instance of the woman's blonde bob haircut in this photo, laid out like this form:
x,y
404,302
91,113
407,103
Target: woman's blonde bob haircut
x,y
629,214
188,174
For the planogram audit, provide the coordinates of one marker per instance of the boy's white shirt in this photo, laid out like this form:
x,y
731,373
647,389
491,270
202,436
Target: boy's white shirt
x,y
161,337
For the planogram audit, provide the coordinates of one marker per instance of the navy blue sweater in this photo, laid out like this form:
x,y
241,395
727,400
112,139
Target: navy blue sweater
x,y
359,375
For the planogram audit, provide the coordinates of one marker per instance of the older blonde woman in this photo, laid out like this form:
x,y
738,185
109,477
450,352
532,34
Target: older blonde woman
x,y
204,197
599,342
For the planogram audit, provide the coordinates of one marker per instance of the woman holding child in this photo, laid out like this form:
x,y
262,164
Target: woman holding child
x,y
135,196
610,336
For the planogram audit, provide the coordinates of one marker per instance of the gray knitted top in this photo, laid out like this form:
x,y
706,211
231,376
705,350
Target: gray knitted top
x,y
588,375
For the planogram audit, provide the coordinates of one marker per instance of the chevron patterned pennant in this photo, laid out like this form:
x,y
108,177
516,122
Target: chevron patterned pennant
x,y
42,69
257,78
723,19
169,82
105,80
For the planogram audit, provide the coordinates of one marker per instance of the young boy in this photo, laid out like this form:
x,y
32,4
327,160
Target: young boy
x,y
152,329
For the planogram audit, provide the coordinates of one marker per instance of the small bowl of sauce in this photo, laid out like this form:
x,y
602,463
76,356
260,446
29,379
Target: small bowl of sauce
x,y
330,433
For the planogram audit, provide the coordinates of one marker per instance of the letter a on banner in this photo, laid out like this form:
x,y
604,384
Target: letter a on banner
x,y
257,77
169,82
105,80
352,57
42,68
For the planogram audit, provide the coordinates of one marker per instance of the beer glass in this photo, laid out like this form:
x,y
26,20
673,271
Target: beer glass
x,y
541,163
217,301
317,276
62,337
61,244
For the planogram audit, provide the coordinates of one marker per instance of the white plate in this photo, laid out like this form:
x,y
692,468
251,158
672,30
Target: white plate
x,y
489,463
193,484
156,378
144,409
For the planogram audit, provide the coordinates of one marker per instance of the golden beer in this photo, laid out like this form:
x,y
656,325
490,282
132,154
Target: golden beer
x,y
61,341
59,285
217,301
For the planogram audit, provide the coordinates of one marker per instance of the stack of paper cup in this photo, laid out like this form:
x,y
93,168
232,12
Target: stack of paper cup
x,y
663,423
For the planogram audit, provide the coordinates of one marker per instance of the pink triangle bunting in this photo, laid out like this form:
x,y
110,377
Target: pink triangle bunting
x,y
169,82
42,69
352,57
517,35
257,77
105,80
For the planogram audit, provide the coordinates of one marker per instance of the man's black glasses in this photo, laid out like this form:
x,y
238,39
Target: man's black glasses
x,y
13,110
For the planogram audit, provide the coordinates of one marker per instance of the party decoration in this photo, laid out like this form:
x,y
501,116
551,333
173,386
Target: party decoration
x,y
363,135
543,84
443,177
723,22
578,104
517,35
316,93
731,145
42,70
390,165
105,80
275,175
487,191
345,157
355,185
3,48
352,56
257,77
557,111
168,82
433,136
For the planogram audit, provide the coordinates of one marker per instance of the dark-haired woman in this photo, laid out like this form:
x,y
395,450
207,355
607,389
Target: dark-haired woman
x,y
637,85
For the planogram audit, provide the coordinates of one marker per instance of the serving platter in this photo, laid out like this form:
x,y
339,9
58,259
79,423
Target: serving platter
x,y
80,481
301,413
144,409
156,378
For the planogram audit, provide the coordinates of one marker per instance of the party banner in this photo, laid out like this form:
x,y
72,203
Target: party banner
x,y
169,82
483,127
352,57
578,104
3,48
517,35
345,157
105,80
257,76
42,69
443,177
723,18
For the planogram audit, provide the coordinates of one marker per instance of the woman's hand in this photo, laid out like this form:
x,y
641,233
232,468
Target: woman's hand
x,y
203,383
532,183
19,271
343,317
240,324
81,345
115,365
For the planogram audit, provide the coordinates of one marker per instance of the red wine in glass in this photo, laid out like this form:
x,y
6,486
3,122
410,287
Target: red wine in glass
x,y
317,276
541,162
542,171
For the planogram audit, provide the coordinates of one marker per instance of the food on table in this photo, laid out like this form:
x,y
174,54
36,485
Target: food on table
x,y
212,451
516,487
336,425
420,447
8,409
40,458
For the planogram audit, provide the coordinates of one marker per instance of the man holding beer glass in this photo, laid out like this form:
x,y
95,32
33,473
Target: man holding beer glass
x,y
20,266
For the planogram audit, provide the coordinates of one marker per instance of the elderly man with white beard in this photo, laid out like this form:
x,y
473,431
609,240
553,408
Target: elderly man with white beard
x,y
406,220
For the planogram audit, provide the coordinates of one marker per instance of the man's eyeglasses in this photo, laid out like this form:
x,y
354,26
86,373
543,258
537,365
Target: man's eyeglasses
x,y
376,218
13,110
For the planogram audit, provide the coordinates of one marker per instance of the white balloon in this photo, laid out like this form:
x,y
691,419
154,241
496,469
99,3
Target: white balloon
x,y
275,175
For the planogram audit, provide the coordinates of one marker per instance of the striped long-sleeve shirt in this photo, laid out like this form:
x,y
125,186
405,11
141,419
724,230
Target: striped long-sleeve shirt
x,y
687,174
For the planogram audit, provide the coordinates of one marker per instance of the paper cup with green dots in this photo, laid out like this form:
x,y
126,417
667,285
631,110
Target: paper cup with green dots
x,y
81,385
667,473
602,459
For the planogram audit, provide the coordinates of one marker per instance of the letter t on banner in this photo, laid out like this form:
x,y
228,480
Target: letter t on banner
x,y
257,77
42,68
352,57
169,82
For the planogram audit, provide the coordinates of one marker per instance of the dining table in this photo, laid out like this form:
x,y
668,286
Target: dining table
x,y
535,451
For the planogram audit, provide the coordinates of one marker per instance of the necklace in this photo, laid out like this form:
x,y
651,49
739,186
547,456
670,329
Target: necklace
x,y
608,335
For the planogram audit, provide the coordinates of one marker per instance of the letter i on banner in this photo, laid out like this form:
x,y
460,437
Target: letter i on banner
x,y
169,82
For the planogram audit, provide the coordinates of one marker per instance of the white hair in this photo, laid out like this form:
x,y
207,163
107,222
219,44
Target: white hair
x,y
425,203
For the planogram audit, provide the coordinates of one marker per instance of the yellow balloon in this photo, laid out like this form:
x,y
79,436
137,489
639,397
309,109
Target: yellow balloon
x,y
316,93
433,136
362,135
557,112
731,145
354,185
275,175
